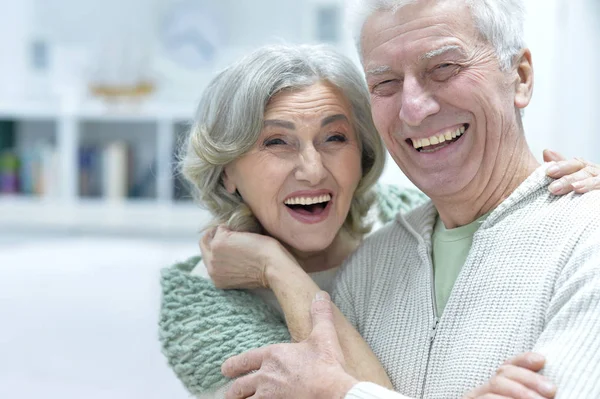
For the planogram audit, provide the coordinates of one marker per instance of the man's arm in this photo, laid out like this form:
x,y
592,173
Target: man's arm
x,y
315,369
571,338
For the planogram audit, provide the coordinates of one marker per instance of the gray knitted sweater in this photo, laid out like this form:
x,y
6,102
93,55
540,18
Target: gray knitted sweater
x,y
531,282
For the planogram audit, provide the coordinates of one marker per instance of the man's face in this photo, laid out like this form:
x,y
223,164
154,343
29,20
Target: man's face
x,y
441,103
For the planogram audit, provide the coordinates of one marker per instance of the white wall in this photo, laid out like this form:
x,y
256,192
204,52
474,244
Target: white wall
x,y
563,35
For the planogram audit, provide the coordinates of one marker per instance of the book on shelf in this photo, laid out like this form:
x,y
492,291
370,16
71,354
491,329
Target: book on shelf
x,y
115,170
39,170
104,170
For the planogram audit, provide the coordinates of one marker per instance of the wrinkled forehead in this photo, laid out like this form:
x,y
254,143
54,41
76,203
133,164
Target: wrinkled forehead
x,y
418,29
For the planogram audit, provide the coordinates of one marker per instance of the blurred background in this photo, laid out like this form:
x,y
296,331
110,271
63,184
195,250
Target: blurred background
x,y
94,99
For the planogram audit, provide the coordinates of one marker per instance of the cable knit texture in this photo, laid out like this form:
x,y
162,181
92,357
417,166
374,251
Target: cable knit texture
x,y
200,326
531,282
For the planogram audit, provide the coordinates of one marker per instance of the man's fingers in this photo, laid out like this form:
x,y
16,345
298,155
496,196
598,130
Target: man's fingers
x,y
322,316
529,360
529,379
550,156
323,331
243,364
243,387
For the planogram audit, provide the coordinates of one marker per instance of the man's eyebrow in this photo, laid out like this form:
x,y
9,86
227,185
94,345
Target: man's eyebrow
x,y
380,70
333,118
279,123
442,50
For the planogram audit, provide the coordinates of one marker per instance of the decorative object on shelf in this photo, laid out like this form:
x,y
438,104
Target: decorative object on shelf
x,y
191,35
121,71
191,39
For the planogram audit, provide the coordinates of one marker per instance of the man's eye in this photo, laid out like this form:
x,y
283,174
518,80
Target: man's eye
x,y
386,88
382,84
445,71
272,142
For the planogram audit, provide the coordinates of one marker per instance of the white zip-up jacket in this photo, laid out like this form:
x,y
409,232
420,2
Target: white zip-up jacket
x,y
531,282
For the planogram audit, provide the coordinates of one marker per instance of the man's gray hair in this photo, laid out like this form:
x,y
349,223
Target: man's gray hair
x,y
230,118
500,22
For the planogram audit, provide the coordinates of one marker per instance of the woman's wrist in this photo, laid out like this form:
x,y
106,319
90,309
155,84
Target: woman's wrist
x,y
278,266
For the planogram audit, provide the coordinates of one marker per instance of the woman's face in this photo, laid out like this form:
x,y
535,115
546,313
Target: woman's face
x,y
300,176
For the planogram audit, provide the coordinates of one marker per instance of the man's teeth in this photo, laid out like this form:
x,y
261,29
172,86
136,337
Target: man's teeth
x,y
438,138
308,200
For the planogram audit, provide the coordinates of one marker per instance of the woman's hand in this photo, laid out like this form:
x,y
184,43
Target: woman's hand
x,y
241,260
575,174
517,378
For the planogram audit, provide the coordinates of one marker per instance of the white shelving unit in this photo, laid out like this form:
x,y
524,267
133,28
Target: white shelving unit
x,y
66,210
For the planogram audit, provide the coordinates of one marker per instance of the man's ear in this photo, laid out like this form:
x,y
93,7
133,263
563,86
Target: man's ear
x,y
524,84
228,181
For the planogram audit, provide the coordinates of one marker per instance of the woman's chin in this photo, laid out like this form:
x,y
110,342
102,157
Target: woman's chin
x,y
309,245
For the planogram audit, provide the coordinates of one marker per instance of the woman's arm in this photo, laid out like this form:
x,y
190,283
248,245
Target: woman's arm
x,y
247,260
201,326
295,291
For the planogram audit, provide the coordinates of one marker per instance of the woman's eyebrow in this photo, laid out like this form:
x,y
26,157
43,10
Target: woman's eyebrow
x,y
279,123
333,118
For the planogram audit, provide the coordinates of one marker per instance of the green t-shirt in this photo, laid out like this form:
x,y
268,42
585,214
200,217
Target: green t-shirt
x,y
450,250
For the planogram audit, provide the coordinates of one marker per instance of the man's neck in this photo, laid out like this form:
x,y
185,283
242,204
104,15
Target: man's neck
x,y
468,205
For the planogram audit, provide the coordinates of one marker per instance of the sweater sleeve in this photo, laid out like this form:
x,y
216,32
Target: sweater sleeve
x,y
571,337
201,326
368,390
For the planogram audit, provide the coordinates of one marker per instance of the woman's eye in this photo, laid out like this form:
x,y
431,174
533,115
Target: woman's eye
x,y
272,142
337,138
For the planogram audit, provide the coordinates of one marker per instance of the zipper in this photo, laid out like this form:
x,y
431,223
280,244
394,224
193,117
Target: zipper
x,y
436,319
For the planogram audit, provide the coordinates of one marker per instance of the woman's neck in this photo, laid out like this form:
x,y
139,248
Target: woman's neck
x,y
333,256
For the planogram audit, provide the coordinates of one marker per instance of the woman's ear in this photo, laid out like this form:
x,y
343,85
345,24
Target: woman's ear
x,y
228,181
524,88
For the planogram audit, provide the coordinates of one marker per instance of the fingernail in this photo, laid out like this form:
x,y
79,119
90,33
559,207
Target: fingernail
x,y
556,186
547,388
536,357
553,169
320,296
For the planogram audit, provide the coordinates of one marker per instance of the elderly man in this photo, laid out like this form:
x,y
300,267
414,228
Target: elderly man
x,y
495,265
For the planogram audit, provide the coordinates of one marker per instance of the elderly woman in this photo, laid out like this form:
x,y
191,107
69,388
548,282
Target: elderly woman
x,y
284,146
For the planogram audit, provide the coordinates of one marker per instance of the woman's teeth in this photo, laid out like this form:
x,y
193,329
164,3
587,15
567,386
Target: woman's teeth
x,y
308,200
438,139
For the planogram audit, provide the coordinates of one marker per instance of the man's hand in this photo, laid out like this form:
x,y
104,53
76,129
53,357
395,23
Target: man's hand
x,y
575,174
310,369
517,378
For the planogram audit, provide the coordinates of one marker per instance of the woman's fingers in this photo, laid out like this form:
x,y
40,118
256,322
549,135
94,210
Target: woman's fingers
x,y
530,360
552,156
528,379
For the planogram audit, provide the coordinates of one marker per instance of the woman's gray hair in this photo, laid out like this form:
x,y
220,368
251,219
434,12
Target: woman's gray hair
x,y
230,116
500,22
